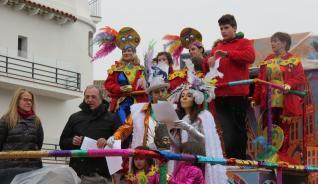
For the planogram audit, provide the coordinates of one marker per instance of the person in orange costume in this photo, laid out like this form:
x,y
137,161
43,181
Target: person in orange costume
x,y
142,121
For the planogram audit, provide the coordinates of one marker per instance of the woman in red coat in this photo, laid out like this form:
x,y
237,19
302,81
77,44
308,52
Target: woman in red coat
x,y
125,81
285,69
124,78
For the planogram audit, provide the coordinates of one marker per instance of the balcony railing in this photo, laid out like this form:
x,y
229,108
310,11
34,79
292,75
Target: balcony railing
x,y
53,160
95,8
39,73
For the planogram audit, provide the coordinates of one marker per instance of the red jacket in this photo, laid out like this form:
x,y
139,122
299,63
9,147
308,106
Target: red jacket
x,y
235,65
293,75
205,65
112,85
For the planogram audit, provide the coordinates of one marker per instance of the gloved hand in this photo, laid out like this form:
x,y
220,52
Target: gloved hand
x,y
190,129
111,141
182,125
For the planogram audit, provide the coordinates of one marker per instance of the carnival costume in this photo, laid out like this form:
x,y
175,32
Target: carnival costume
x,y
121,74
203,130
142,122
285,108
176,44
152,177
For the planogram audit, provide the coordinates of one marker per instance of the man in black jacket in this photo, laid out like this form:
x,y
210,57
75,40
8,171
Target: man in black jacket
x,y
93,121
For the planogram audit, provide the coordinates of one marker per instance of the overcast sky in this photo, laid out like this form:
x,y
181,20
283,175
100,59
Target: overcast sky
x,y
154,19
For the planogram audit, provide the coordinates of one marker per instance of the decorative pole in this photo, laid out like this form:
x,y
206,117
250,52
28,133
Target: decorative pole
x,y
163,173
269,115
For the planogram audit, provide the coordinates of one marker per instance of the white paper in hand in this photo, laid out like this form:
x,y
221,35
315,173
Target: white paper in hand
x,y
114,163
165,112
214,72
89,143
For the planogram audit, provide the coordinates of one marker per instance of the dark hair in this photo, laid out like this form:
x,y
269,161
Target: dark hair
x,y
199,47
194,148
197,62
227,19
283,37
195,110
149,161
168,56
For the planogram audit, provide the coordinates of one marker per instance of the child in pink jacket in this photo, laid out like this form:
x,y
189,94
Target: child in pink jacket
x,y
187,172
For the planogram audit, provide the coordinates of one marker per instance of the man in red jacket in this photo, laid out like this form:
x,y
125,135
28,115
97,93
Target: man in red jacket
x,y
236,54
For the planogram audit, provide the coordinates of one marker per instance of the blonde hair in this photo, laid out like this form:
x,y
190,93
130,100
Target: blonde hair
x,y
12,116
135,61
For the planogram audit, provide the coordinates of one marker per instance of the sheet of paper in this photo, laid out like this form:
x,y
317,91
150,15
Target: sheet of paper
x,y
214,72
89,143
165,113
114,163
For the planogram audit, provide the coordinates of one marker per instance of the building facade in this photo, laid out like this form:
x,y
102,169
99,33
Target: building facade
x,y
46,46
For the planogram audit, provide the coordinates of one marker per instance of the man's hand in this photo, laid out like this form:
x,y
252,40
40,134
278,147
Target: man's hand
x,y
77,140
220,53
126,88
101,143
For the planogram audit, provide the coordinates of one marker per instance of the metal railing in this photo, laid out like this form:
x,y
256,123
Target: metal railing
x,y
39,73
95,8
53,160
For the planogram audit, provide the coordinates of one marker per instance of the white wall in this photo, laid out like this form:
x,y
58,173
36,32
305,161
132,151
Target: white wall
x,y
67,44
52,112
75,7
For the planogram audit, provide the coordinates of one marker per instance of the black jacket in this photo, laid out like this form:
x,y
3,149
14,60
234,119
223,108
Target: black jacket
x,y
93,124
26,136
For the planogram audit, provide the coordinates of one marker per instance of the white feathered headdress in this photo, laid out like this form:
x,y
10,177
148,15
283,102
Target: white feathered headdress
x,y
202,89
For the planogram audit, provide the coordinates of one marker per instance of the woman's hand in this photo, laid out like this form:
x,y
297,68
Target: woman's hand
x,y
287,87
126,88
182,125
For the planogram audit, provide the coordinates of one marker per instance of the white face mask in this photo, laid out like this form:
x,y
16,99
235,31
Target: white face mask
x,y
164,67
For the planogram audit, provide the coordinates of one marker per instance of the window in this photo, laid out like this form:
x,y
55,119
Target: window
x,y
90,44
23,46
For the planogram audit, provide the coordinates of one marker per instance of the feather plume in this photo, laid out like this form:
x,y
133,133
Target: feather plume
x,y
106,41
171,37
109,30
174,46
104,50
149,55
